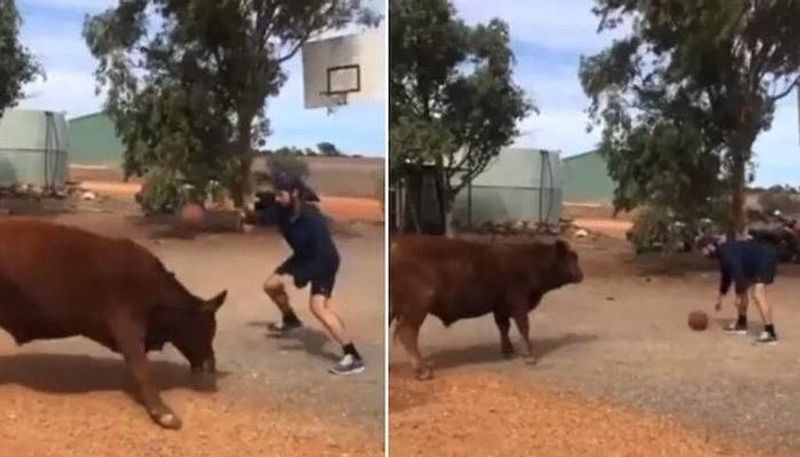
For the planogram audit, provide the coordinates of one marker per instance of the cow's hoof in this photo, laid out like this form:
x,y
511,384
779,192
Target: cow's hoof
x,y
168,420
425,374
531,360
507,351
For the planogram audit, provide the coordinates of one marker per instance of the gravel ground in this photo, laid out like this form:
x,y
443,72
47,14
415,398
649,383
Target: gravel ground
x,y
510,418
622,337
108,424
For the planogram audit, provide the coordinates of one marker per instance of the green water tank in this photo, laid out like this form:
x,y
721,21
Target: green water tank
x,y
33,148
520,184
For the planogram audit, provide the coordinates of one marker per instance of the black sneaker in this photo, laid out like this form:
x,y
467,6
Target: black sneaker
x,y
282,327
736,329
349,364
767,338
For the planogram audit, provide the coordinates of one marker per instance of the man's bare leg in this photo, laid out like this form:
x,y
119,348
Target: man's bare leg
x,y
741,302
758,293
321,309
275,288
739,326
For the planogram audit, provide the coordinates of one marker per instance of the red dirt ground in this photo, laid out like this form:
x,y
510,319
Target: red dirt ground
x,y
345,209
490,415
35,424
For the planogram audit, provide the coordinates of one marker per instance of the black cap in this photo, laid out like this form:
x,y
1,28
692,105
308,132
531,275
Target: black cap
x,y
289,183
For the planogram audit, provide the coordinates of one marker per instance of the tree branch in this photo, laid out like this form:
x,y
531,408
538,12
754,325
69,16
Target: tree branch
x,y
463,160
786,91
296,48
307,34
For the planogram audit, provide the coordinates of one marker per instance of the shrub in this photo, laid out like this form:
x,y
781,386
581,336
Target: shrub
x,y
162,193
290,164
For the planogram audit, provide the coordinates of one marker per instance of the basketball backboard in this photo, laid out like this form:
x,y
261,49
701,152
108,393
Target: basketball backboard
x,y
344,69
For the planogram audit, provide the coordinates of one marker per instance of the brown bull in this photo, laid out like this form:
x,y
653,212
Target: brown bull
x,y
58,282
457,279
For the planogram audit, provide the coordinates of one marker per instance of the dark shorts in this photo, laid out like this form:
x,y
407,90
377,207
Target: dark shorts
x,y
765,273
321,276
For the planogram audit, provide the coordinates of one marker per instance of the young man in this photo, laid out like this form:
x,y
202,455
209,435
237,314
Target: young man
x,y
315,260
750,267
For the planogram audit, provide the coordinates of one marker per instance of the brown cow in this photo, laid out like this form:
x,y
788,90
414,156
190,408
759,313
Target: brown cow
x,y
457,279
58,282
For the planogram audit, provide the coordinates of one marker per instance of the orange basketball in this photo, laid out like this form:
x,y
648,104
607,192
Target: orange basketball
x,y
698,320
193,214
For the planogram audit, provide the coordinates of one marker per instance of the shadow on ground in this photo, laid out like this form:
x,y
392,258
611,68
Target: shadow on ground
x,y
489,353
406,393
78,374
307,339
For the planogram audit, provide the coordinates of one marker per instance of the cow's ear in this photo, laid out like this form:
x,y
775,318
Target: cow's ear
x,y
562,248
213,304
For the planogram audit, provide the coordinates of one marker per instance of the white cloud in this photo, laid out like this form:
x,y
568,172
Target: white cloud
x,y
566,25
559,32
563,130
557,93
778,150
63,91
60,49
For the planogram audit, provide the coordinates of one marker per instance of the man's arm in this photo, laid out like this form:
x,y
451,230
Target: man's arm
x,y
286,266
724,286
320,256
725,280
321,236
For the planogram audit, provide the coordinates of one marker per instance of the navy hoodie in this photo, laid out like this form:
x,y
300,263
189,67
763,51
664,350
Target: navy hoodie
x,y
307,233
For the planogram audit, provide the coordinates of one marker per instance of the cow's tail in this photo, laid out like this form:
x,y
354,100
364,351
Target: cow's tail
x,y
392,317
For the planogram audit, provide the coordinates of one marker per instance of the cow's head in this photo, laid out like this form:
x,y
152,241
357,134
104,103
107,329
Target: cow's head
x,y
566,269
194,335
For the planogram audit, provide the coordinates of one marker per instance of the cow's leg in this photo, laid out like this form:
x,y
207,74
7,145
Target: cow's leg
x,y
504,324
407,331
131,344
523,325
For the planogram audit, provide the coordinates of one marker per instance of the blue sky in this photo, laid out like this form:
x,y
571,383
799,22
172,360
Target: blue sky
x,y
52,30
548,39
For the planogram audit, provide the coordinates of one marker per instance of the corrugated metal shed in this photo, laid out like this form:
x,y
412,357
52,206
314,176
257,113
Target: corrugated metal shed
x,y
586,179
519,185
93,141
33,148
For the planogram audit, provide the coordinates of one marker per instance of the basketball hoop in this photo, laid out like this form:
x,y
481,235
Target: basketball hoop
x,y
342,80
334,99
343,70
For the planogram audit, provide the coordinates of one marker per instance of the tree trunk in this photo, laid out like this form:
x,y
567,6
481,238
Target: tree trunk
x,y
446,197
448,221
736,225
243,162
